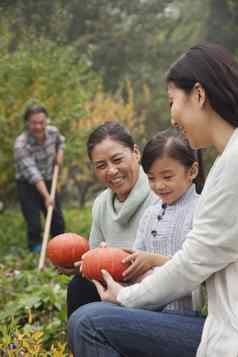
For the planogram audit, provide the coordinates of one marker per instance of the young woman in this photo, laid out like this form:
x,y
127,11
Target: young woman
x,y
117,210
203,95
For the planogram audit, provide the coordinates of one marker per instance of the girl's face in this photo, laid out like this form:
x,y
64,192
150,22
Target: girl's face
x,y
116,166
169,179
189,114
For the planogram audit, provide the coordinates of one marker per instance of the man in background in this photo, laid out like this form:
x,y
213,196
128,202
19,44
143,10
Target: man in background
x,y
37,150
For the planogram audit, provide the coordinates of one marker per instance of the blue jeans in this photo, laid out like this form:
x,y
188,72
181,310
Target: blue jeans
x,y
106,330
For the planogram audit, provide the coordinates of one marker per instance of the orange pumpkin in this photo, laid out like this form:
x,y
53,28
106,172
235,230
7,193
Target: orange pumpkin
x,y
66,249
109,259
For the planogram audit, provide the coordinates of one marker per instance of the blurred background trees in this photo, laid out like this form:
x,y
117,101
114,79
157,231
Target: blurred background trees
x,y
89,61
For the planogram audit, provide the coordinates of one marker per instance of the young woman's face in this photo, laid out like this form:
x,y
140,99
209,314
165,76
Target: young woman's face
x,y
187,113
116,166
169,179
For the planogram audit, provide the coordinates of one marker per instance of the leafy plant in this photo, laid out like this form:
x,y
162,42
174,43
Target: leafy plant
x,y
14,343
32,303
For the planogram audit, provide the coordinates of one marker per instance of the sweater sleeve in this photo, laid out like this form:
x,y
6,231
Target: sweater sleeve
x,y
210,246
96,235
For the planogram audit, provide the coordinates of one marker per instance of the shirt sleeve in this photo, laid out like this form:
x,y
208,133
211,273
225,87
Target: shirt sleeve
x,y
27,165
210,247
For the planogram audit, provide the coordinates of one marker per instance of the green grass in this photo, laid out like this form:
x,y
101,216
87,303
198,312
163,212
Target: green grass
x,y
30,300
13,229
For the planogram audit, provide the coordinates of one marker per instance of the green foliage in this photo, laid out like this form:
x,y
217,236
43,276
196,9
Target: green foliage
x,y
16,343
43,72
12,234
223,27
59,52
125,40
35,299
32,302
134,40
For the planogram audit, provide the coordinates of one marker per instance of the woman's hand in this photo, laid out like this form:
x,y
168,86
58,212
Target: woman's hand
x,y
76,270
67,271
112,289
79,264
141,262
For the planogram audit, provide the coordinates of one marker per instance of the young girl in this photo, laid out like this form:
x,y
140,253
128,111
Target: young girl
x,y
174,175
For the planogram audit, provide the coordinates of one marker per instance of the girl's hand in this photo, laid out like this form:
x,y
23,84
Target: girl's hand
x,y
140,261
112,289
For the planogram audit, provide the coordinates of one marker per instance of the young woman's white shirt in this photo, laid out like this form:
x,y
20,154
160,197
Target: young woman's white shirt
x,y
209,253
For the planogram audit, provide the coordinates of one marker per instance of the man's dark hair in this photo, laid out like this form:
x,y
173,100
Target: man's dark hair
x,y
34,110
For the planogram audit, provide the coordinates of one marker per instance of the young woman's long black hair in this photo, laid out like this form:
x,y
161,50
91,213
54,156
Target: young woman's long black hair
x,y
214,68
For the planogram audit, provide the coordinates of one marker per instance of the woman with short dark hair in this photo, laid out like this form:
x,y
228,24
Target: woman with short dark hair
x,y
118,209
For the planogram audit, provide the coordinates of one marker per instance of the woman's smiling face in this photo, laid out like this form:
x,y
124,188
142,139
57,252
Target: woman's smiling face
x,y
188,113
117,166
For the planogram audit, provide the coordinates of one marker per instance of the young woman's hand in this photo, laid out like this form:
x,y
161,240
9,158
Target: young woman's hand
x,y
112,289
140,262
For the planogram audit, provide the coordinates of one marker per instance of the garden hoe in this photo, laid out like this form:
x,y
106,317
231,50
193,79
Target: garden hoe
x,y
48,219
